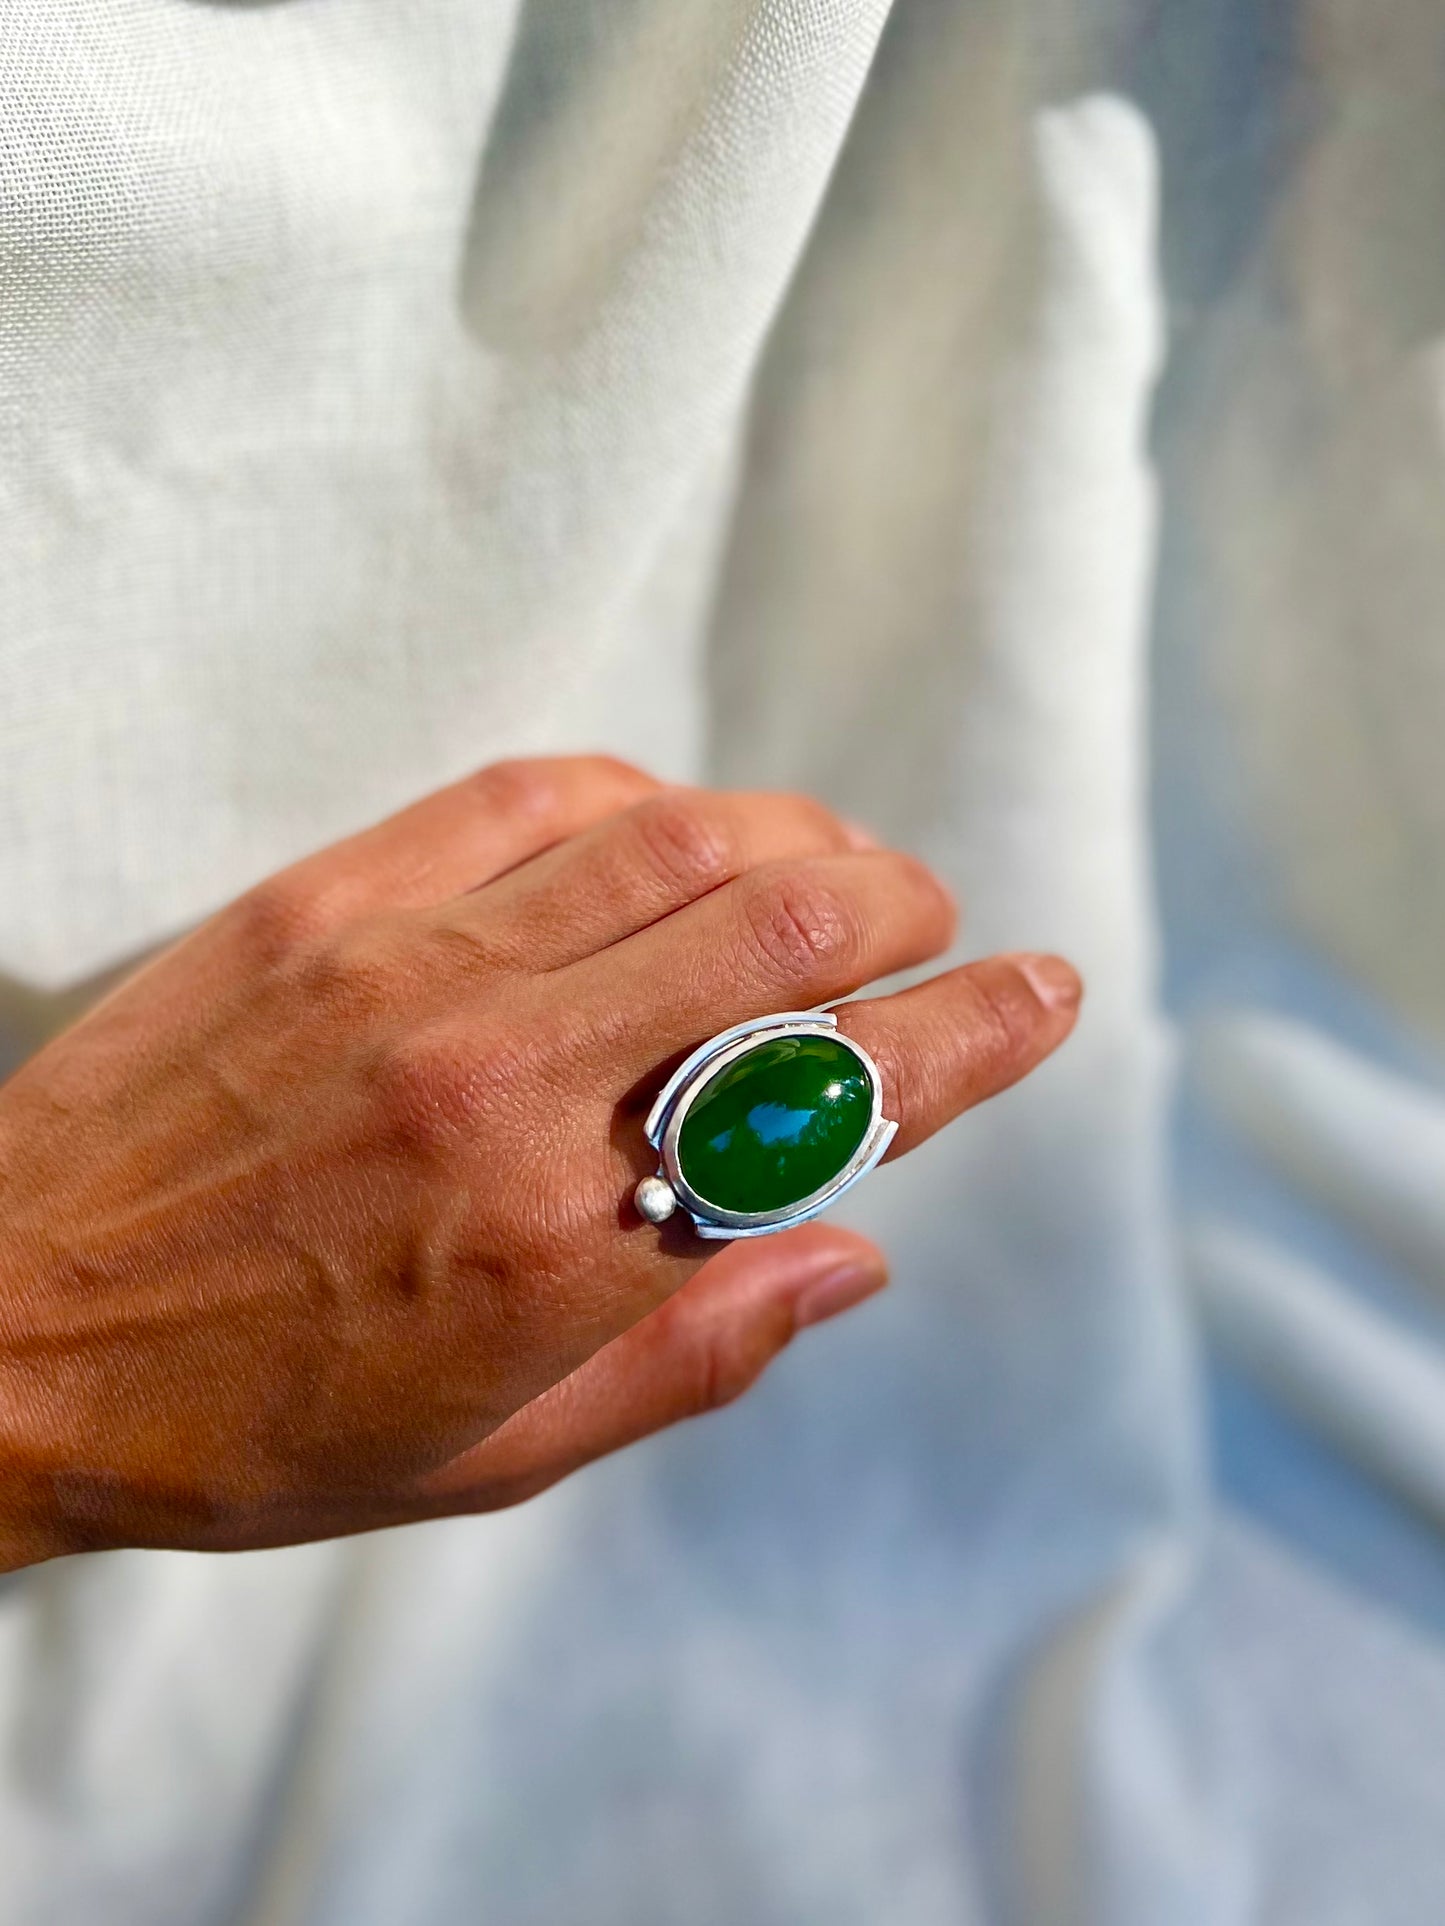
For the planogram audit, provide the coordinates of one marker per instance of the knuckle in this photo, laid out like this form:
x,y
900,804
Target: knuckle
x,y
524,786
429,1091
812,818
1002,1020
726,1362
686,844
614,773
541,788
799,923
280,916
929,890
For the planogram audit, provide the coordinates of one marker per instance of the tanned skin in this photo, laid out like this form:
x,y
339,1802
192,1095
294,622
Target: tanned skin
x,y
322,1221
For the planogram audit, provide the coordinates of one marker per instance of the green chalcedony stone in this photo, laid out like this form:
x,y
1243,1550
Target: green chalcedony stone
x,y
777,1124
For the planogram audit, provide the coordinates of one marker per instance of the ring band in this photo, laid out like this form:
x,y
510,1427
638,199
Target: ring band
x,y
764,1126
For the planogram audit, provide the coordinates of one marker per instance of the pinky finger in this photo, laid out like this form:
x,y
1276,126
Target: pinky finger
x,y
699,1351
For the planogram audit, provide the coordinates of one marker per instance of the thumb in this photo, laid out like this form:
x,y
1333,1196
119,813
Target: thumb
x,y
701,1349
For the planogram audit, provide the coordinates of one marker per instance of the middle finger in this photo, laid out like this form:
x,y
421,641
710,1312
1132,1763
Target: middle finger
x,y
787,936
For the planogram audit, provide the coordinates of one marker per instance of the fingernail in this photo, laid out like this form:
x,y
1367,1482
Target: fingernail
x,y
839,1290
858,836
1054,982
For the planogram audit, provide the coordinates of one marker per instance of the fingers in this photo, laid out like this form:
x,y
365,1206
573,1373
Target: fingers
x,y
700,1350
951,1043
784,937
632,869
463,836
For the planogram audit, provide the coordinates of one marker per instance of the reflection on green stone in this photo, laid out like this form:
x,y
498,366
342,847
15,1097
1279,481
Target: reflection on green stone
x,y
776,1124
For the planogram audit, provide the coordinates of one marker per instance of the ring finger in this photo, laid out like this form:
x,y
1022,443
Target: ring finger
x,y
946,1045
953,1042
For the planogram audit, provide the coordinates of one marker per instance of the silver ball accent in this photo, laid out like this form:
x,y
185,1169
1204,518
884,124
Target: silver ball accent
x,y
656,1199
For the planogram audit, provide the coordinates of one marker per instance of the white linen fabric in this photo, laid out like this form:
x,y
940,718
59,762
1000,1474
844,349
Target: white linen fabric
x,y
801,391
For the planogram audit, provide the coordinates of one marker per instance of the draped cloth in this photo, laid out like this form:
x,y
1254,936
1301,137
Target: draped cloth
x,y
1022,424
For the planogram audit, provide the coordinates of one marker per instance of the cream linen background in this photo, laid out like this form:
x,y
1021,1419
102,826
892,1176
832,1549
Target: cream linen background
x,y
764,386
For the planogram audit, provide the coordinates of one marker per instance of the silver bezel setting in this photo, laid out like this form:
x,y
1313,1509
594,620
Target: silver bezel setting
x,y
668,1113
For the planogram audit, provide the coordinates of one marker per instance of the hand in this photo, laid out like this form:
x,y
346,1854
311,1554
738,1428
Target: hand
x,y
322,1221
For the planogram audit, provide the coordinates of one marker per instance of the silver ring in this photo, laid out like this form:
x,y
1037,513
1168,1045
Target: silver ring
x,y
735,1119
